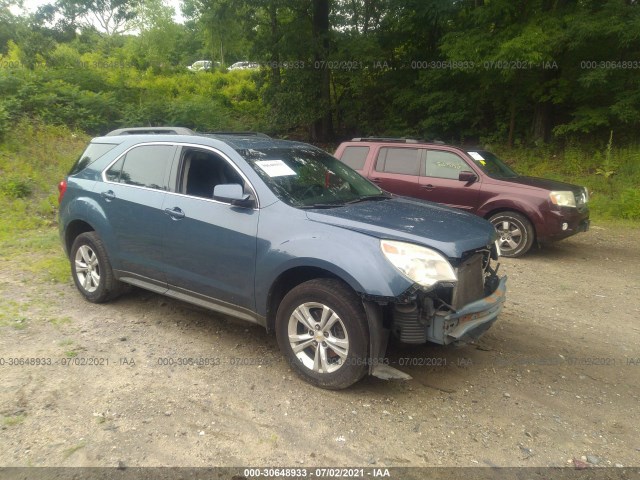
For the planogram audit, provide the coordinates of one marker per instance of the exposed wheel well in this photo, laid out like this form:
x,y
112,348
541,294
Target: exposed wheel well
x,y
74,229
287,281
514,210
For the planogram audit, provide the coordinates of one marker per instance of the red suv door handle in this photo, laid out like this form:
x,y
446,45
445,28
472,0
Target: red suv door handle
x,y
428,187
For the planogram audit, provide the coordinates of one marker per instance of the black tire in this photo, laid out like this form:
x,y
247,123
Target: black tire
x,y
515,232
338,370
91,269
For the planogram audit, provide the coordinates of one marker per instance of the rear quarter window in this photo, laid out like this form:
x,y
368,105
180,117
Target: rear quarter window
x,y
355,157
93,152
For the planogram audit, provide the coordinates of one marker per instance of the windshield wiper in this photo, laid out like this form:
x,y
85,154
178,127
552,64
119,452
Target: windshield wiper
x,y
366,198
322,205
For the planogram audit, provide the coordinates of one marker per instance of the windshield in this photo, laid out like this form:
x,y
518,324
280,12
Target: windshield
x,y
308,177
492,165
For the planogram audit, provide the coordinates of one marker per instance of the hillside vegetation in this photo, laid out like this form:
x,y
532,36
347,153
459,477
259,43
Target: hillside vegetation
x,y
552,87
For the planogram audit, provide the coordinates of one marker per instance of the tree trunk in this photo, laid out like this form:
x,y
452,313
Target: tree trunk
x,y
512,123
542,123
275,57
322,127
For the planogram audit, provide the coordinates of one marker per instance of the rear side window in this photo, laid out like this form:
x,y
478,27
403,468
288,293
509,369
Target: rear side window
x,y
93,152
143,166
444,164
405,161
355,157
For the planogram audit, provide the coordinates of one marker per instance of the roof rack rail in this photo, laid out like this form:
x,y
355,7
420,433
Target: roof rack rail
x,y
151,131
384,139
244,134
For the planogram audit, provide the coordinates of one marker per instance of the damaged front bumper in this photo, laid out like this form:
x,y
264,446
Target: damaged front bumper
x,y
469,322
447,314
455,327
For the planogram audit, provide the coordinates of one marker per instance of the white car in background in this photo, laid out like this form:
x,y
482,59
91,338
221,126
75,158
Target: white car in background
x,y
244,66
201,65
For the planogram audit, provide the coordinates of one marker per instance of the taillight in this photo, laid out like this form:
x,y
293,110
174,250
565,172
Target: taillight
x,y
62,187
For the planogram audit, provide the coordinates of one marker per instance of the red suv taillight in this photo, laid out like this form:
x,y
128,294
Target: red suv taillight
x,y
62,187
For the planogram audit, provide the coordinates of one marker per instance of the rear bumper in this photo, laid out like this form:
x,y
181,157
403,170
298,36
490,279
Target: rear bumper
x,y
469,322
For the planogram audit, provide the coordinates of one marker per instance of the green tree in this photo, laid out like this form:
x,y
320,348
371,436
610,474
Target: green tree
x,y
220,24
158,36
109,16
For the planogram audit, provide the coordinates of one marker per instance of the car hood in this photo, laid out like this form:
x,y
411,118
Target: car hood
x,y
450,231
544,183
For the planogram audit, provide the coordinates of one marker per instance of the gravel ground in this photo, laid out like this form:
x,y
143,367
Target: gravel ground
x,y
554,382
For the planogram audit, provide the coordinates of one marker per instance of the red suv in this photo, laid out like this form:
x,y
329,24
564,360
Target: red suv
x,y
522,209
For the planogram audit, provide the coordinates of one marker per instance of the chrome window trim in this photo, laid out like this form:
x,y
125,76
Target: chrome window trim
x,y
182,144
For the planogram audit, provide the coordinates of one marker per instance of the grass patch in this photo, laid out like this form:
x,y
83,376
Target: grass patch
x,y
20,314
58,322
71,450
12,315
13,420
54,268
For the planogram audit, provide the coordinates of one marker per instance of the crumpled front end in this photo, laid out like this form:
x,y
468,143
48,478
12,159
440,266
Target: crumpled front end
x,y
453,313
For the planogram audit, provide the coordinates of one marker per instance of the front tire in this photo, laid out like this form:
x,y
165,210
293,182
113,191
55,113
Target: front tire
x,y
515,232
322,329
91,269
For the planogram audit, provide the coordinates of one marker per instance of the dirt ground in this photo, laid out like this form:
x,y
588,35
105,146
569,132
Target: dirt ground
x,y
557,378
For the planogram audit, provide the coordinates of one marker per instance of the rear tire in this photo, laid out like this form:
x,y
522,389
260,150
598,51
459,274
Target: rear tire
x,y
91,269
515,232
322,330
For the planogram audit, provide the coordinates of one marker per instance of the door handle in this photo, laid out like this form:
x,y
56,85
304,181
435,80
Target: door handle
x,y
108,195
375,180
427,187
175,213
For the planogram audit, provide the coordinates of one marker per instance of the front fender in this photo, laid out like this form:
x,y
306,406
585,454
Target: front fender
x,y
514,204
354,257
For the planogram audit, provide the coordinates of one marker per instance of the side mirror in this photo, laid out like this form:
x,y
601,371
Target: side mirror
x,y
467,177
232,193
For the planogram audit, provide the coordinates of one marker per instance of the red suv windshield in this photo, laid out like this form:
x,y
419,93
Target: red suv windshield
x,y
491,165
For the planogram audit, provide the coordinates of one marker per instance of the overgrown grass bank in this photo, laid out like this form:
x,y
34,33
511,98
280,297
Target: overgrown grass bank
x,y
34,157
611,175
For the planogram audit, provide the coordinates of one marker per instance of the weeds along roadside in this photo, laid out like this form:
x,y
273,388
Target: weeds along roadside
x,y
34,157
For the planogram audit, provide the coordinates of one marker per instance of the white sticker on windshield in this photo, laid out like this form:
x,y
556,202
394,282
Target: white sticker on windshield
x,y
275,168
476,156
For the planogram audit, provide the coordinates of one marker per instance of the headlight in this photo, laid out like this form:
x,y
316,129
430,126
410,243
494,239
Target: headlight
x,y
422,265
563,199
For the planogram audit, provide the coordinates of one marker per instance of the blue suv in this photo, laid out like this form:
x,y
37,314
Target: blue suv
x,y
281,234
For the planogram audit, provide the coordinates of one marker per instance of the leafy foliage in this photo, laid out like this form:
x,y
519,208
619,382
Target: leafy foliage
x,y
548,77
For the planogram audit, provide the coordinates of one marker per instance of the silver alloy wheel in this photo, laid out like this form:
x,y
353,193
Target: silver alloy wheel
x,y
318,337
87,269
511,234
